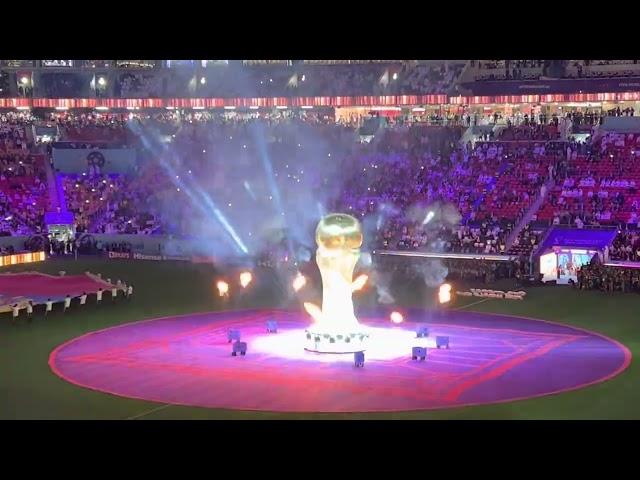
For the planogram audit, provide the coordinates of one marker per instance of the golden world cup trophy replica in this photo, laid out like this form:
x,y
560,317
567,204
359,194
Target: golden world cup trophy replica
x,y
336,328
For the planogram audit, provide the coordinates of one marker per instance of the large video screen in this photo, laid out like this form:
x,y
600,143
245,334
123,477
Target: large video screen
x,y
569,263
548,267
563,266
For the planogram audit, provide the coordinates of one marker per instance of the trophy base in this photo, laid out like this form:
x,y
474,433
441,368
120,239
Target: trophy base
x,y
335,343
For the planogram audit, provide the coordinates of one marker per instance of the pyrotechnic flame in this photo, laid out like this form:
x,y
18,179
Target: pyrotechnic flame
x,y
444,293
359,282
245,279
223,288
299,282
396,317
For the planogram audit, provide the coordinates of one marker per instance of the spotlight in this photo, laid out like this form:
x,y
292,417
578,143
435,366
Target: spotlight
x,y
396,317
102,82
428,218
24,80
203,81
223,288
299,282
245,279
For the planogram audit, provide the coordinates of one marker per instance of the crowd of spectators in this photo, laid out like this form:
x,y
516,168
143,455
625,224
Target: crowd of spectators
x,y
530,132
626,246
146,85
435,271
527,240
602,69
489,70
395,178
317,80
597,184
23,202
300,79
86,129
595,276
5,89
509,69
23,194
64,84
13,131
109,204
422,189
428,79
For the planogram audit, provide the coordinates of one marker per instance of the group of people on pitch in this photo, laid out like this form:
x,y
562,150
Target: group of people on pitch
x,y
127,291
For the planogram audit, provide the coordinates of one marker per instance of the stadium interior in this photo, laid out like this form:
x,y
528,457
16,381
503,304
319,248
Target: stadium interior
x,y
187,188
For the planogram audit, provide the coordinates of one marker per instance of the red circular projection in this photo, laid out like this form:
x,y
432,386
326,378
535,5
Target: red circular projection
x,y
187,360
